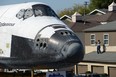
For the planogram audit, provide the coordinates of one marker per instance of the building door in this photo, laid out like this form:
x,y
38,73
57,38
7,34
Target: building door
x,y
82,69
112,71
98,69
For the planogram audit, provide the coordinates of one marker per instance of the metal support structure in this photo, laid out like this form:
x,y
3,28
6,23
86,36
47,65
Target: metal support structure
x,y
76,69
32,73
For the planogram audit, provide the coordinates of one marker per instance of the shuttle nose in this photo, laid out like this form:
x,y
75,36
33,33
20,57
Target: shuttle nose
x,y
73,49
73,52
62,45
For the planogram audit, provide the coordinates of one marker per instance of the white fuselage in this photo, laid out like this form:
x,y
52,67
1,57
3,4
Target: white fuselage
x,y
32,31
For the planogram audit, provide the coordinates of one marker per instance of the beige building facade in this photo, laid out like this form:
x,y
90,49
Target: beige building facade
x,y
100,68
105,37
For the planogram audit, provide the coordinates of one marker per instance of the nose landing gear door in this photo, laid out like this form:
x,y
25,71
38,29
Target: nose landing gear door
x,y
5,45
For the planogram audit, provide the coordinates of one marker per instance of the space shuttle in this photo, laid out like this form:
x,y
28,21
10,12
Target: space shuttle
x,y
32,35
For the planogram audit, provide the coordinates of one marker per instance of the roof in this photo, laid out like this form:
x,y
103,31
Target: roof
x,y
98,10
107,57
108,17
80,26
65,17
95,20
111,26
104,10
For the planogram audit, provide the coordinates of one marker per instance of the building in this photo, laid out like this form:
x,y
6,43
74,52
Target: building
x,y
105,33
97,25
106,61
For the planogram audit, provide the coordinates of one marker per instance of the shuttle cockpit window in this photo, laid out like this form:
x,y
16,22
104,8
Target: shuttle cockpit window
x,y
24,13
43,10
36,10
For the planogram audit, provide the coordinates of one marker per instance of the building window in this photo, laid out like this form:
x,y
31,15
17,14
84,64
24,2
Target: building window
x,y
92,39
106,39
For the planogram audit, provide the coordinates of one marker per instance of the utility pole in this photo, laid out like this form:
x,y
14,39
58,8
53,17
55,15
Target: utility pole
x,y
85,4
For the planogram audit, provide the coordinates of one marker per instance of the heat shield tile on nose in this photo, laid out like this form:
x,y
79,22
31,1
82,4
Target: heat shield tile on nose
x,y
73,49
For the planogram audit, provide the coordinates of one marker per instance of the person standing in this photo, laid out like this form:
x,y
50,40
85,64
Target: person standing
x,y
98,47
104,48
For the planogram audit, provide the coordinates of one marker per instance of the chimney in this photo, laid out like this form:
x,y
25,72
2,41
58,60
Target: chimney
x,y
112,7
76,16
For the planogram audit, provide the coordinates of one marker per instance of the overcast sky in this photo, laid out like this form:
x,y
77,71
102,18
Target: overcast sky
x,y
57,5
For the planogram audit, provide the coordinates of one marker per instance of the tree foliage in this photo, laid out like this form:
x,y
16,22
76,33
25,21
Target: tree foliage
x,y
100,4
76,8
80,9
94,4
67,11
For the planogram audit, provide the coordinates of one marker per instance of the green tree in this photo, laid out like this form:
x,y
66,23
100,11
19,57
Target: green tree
x,y
94,4
65,12
76,8
81,9
100,4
